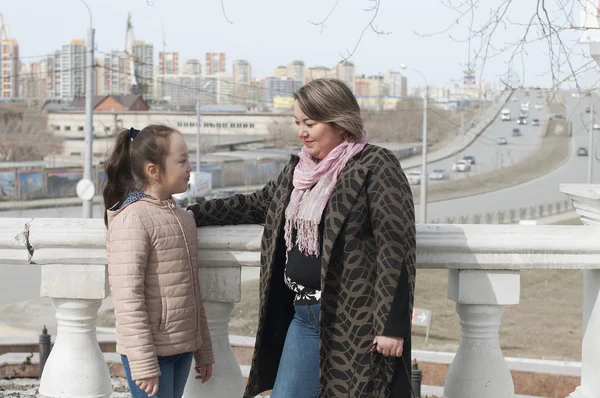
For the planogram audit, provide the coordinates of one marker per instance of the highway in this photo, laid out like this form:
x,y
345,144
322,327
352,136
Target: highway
x,y
491,156
540,191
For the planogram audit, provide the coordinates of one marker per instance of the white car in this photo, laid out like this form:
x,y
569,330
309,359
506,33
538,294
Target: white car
x,y
596,126
539,106
439,174
414,177
501,141
461,166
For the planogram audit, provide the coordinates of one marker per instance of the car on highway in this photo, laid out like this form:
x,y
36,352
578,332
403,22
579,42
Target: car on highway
x,y
439,174
539,106
501,141
414,177
522,120
461,166
516,132
582,151
470,159
588,109
596,126
535,122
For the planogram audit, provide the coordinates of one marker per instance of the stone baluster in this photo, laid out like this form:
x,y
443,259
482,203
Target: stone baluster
x,y
479,368
74,275
586,200
222,252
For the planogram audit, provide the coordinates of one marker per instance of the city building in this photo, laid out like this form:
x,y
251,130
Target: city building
x,y
65,78
215,63
192,67
242,81
318,72
296,70
345,71
395,83
143,58
168,63
184,90
219,128
222,84
9,69
280,71
114,103
119,76
278,87
32,81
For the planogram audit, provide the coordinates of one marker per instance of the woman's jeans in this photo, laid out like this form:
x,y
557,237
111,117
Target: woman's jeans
x,y
298,373
174,371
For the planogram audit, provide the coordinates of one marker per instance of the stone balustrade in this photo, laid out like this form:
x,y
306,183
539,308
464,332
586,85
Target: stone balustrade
x,y
483,263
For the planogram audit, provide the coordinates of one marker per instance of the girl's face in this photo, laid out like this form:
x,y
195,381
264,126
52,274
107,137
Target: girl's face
x,y
319,138
175,175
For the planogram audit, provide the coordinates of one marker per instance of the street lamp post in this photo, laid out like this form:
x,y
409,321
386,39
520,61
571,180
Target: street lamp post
x,y
86,188
198,126
423,202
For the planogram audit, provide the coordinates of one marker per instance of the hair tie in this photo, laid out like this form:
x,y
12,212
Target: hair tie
x,y
132,133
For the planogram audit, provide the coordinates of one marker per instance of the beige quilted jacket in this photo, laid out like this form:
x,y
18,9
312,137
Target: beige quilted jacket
x,y
152,253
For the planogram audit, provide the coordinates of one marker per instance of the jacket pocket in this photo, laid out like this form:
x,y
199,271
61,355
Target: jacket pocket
x,y
163,314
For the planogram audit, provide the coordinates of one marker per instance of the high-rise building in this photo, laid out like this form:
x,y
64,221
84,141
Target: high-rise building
x,y
280,71
242,80
119,79
242,72
32,81
168,63
278,87
297,70
345,72
223,87
318,72
215,63
9,68
143,59
192,67
65,77
395,83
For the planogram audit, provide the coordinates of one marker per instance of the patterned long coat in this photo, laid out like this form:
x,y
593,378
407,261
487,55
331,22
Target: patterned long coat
x,y
367,276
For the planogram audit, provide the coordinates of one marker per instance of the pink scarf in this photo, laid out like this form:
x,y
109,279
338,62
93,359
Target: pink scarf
x,y
305,210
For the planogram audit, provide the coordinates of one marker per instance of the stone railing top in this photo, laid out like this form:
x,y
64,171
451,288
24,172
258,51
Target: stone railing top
x,y
82,241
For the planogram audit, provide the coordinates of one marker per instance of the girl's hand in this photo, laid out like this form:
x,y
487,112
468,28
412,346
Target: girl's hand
x,y
204,372
149,386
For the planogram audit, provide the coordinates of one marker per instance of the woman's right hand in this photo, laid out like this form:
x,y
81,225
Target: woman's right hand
x,y
149,386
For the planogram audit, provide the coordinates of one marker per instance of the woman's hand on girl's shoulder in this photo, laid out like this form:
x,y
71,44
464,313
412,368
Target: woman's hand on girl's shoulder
x,y
204,372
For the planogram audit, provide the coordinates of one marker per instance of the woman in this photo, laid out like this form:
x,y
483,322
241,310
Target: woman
x,y
338,254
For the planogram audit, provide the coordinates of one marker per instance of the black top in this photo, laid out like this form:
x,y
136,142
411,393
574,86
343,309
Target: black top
x,y
302,272
303,276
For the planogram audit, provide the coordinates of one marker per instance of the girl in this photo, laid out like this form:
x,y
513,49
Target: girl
x,y
152,252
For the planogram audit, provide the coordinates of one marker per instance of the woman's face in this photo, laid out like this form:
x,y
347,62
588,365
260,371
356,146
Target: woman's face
x,y
318,138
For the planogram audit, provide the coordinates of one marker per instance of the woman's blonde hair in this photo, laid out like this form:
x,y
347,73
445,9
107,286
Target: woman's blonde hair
x,y
331,101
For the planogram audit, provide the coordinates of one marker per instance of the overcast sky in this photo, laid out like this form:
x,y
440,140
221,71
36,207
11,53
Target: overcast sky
x,y
269,33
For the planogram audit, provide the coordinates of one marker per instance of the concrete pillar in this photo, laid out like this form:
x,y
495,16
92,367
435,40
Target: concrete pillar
x,y
76,367
586,200
479,368
220,283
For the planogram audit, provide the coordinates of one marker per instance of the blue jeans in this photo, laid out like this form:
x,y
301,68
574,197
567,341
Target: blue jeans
x,y
174,371
298,373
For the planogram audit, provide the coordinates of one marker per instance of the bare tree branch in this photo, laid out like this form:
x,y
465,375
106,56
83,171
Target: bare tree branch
x,y
322,23
375,11
224,12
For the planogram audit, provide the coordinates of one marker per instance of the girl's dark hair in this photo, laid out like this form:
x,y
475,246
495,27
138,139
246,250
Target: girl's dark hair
x,y
125,167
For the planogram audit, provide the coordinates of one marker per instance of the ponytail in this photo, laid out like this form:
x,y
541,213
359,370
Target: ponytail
x,y
119,177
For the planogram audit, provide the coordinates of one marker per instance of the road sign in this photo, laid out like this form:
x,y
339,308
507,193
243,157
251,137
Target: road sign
x,y
422,317
85,189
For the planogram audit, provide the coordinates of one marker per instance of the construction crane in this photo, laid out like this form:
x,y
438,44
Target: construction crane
x,y
3,33
134,78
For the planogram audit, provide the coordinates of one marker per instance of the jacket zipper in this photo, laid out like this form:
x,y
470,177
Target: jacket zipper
x,y
187,248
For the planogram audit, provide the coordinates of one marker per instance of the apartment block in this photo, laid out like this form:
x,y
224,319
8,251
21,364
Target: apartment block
x,y
215,63
168,63
9,69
